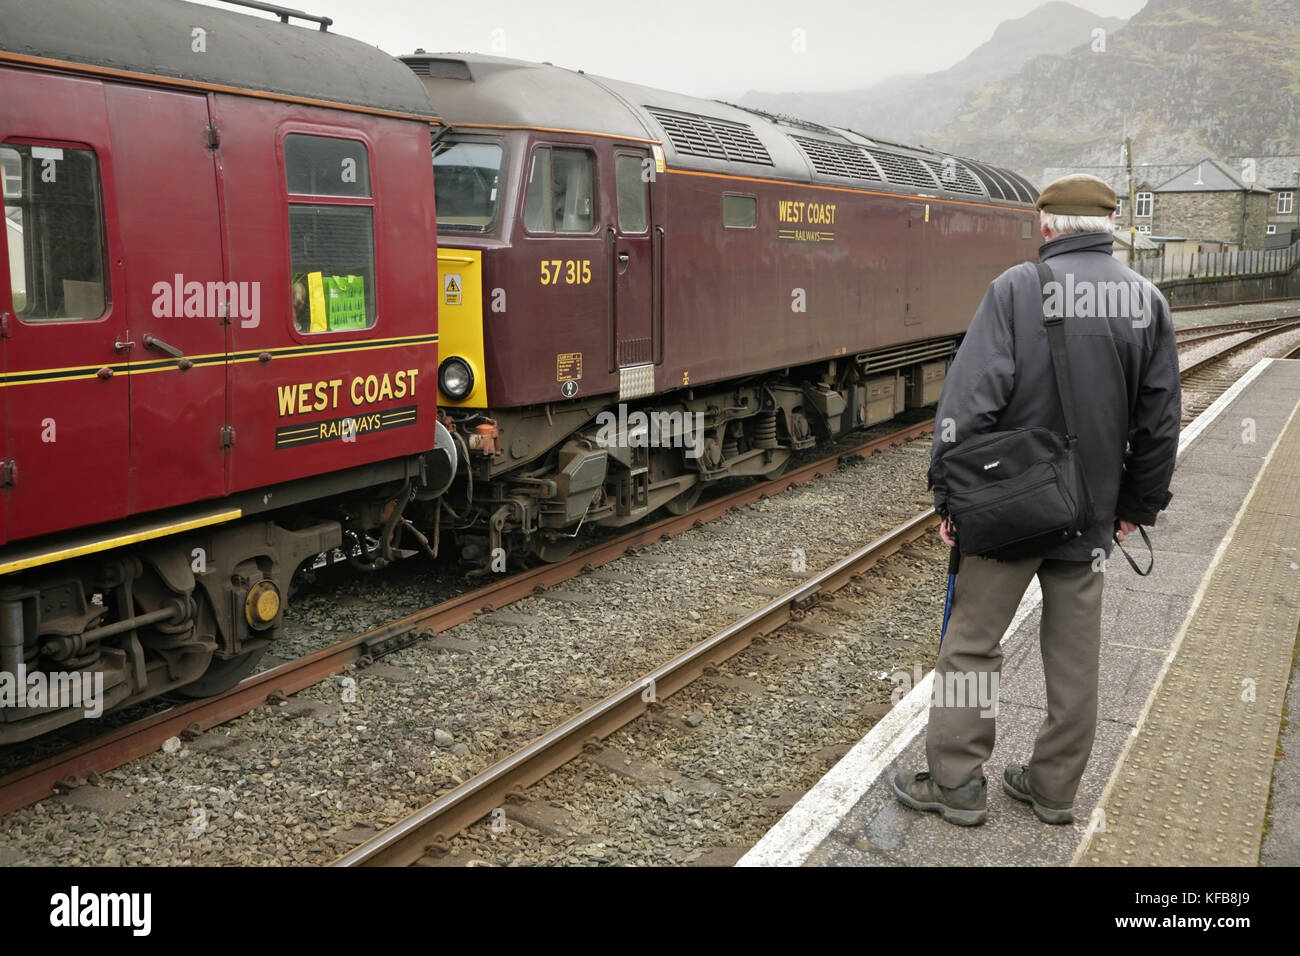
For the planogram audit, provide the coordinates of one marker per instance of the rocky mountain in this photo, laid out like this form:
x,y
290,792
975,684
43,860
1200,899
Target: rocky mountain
x,y
1184,78
901,106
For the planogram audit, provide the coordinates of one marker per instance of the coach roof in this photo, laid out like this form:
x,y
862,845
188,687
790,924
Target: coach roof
x,y
156,37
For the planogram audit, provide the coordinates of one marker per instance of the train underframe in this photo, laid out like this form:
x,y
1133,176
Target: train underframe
x,y
542,473
190,614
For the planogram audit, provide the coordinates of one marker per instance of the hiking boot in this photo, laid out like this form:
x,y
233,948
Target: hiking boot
x,y
1015,781
966,806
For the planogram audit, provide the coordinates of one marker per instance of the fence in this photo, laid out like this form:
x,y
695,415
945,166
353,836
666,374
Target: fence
x,y
1207,265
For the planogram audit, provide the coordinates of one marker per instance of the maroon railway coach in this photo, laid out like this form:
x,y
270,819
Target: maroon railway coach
x,y
646,292
219,336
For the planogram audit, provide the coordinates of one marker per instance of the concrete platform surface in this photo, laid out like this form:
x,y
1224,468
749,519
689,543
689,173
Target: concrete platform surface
x,y
1194,670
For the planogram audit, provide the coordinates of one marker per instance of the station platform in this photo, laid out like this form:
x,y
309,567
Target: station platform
x,y
1195,663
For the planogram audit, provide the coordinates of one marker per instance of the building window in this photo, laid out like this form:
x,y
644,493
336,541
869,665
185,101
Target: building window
x,y
561,191
1145,228
54,226
1270,230
1119,208
1144,203
331,233
1284,201
739,212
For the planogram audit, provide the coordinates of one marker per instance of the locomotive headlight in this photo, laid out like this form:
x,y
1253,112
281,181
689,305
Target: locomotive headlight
x,y
455,378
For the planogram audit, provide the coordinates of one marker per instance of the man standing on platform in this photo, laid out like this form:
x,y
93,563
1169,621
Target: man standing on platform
x,y
1125,370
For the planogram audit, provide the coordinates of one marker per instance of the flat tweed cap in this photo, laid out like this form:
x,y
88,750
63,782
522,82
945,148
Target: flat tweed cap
x,y
1078,195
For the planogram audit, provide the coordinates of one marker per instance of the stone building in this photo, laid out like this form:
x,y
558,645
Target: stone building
x,y
1242,203
1280,175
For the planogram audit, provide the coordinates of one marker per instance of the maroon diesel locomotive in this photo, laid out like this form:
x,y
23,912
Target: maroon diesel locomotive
x,y
644,292
219,337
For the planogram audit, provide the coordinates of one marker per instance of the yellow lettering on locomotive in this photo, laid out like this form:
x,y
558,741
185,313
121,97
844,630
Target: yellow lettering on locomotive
x,y
304,397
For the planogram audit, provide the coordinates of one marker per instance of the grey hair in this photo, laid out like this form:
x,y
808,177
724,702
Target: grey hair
x,y
1066,225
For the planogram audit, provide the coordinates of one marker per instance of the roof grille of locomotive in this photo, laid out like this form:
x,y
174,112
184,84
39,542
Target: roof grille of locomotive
x,y
955,177
439,68
839,159
710,138
904,170
999,187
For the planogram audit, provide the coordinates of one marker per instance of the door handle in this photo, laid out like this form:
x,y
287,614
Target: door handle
x,y
153,342
622,262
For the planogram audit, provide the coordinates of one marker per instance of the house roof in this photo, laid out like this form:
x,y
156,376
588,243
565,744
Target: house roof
x,y
1144,175
1207,176
1271,172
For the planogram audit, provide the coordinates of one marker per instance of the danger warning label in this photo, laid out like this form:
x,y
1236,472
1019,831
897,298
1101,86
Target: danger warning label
x,y
451,287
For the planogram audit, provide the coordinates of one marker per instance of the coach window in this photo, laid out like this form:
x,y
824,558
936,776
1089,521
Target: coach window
x,y
633,216
54,228
331,233
560,196
739,212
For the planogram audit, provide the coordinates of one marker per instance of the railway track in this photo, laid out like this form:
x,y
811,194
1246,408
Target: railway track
x,y
454,810
429,828
1210,377
38,780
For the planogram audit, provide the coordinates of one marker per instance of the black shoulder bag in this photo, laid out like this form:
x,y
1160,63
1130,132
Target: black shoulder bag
x,y
1018,493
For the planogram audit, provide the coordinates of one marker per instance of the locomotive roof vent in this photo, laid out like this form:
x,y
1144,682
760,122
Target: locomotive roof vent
x,y
954,177
904,170
839,159
438,67
705,136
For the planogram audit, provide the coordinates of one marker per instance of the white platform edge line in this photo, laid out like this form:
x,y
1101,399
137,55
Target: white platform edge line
x,y
819,811
1092,829
805,825
1208,417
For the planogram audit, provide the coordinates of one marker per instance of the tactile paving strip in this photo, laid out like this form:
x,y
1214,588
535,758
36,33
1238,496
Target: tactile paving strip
x,y
1193,786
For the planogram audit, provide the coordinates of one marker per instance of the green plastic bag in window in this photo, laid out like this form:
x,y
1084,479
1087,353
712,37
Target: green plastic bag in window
x,y
345,302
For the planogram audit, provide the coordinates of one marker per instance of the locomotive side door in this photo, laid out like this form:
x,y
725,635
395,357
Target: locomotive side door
x,y
176,301
66,391
914,258
633,268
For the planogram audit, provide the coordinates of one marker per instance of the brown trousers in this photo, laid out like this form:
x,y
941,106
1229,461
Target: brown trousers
x,y
985,597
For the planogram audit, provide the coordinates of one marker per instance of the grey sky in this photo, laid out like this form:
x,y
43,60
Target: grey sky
x,y
697,46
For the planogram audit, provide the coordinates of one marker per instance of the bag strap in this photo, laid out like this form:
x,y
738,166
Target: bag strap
x,y
1056,342
1133,564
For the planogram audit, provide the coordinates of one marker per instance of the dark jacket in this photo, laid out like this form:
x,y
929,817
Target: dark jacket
x,y
1124,364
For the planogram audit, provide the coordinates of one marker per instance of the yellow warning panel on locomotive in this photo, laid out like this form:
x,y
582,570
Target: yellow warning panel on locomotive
x,y
460,318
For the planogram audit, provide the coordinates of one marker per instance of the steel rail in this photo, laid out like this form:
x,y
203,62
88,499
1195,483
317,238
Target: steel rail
x,y
409,839
1232,349
38,780
431,826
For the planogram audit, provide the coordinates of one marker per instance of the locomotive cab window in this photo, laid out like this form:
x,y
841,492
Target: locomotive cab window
x,y
560,195
54,229
466,184
633,215
331,233
739,212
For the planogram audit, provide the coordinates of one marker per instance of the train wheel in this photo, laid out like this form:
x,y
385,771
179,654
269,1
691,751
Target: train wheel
x,y
223,675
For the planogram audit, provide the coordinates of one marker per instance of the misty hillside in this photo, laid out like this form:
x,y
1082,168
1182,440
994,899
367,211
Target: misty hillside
x,y
1185,78
900,106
